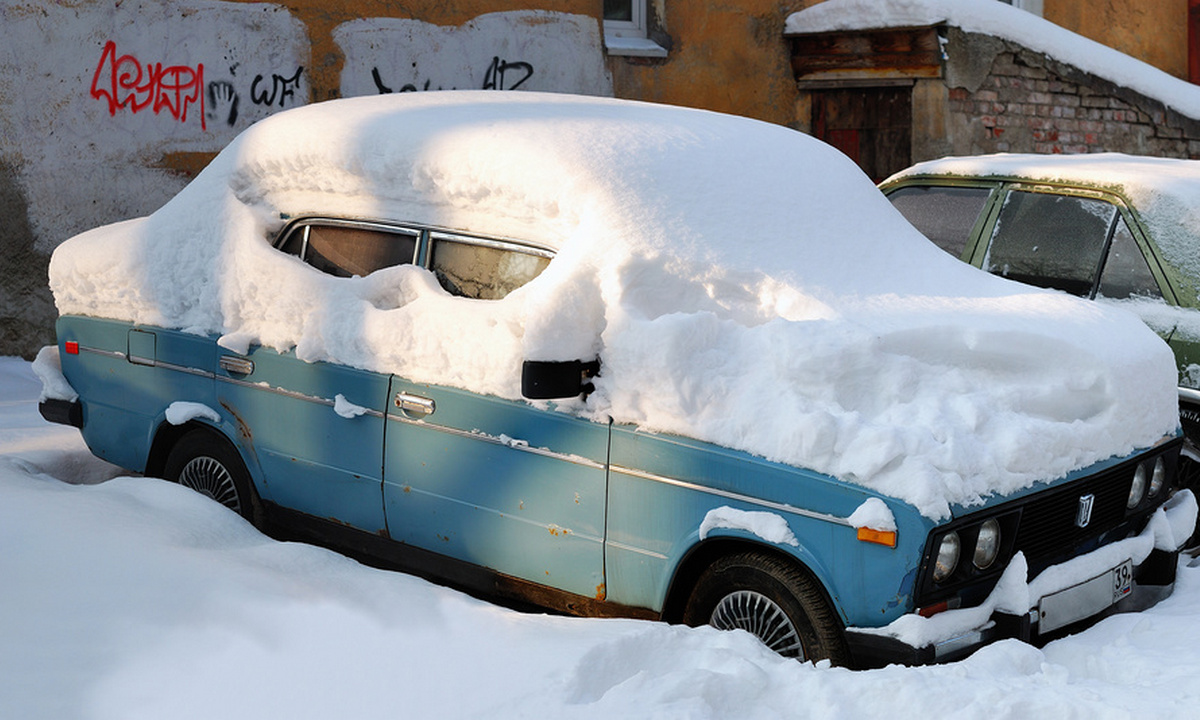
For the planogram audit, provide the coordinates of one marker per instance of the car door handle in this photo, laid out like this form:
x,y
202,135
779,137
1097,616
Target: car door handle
x,y
415,405
236,365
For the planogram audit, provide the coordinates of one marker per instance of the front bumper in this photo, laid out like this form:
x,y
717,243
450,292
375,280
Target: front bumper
x,y
1054,609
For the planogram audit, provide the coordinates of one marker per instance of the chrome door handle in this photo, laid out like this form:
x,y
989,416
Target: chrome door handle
x,y
236,365
414,405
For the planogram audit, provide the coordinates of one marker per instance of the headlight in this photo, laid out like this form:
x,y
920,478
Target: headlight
x,y
987,546
947,557
1159,477
1138,488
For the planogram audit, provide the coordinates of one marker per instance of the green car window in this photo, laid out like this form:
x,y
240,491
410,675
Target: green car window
x,y
1053,241
1126,273
946,215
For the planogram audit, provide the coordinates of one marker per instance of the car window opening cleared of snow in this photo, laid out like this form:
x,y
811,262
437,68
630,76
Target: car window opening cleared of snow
x,y
944,214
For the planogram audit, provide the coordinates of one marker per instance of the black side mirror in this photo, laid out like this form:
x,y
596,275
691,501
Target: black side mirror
x,y
555,379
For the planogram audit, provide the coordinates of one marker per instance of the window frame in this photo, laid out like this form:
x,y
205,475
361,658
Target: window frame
x,y
426,235
632,37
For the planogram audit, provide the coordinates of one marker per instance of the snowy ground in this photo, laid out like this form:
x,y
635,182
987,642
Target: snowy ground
x,y
132,598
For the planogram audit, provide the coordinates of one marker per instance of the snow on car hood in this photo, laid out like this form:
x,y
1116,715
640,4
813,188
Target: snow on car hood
x,y
742,283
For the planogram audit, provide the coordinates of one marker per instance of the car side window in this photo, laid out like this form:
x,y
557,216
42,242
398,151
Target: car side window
x,y
483,269
946,215
346,250
1126,273
1053,241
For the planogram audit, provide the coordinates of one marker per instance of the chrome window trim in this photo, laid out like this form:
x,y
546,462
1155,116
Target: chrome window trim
x,y
507,245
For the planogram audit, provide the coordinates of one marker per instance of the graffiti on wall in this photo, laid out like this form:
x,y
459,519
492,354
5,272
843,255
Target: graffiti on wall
x,y
525,50
500,75
126,82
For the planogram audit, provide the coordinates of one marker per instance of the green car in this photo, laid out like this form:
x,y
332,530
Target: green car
x,y
1116,228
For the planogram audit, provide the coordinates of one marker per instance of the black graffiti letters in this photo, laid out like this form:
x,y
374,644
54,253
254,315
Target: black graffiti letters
x,y
280,88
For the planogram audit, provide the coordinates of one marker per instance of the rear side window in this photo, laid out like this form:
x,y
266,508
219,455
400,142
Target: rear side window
x,y
483,269
346,250
945,215
1053,241
1126,273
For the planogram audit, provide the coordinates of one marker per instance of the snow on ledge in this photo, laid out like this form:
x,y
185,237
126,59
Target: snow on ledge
x,y
180,412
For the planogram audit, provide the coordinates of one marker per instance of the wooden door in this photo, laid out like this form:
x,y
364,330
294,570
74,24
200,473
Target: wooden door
x,y
873,126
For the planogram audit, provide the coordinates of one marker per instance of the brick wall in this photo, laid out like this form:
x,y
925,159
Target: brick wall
x,y
1027,102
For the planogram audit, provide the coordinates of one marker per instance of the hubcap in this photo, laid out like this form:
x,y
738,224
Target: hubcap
x,y
209,477
758,614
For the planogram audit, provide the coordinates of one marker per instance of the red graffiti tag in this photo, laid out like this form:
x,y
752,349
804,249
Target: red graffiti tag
x,y
125,82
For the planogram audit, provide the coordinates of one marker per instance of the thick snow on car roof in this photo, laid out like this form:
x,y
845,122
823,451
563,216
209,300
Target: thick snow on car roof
x,y
742,283
1164,191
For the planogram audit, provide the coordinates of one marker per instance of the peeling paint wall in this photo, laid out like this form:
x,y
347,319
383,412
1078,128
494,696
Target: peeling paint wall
x,y
107,109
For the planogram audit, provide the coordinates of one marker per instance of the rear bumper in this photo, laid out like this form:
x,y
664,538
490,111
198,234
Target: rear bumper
x,y
63,412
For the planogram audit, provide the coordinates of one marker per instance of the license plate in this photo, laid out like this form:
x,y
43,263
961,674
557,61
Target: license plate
x,y
1122,580
1085,599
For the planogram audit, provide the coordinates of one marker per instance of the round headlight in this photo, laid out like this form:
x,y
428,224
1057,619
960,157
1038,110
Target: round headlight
x,y
1138,489
947,557
987,546
1159,477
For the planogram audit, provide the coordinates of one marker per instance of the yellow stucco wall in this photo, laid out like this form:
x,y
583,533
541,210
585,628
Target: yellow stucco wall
x,y
1154,31
726,55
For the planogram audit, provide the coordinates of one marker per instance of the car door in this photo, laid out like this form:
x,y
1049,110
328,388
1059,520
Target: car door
x,y
317,428
499,484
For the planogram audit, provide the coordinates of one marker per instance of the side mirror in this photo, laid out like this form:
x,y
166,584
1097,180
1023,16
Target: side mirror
x,y
554,380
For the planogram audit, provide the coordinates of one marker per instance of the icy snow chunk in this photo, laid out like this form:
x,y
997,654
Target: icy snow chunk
x,y
48,368
769,526
180,412
347,409
874,514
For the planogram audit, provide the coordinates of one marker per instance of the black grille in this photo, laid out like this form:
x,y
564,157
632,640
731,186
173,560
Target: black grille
x,y
1043,525
1048,527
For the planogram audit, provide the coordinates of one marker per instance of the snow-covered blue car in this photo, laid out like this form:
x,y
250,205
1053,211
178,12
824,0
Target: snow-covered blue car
x,y
621,359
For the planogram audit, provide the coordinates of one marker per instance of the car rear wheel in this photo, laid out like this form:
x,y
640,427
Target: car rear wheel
x,y
772,599
207,464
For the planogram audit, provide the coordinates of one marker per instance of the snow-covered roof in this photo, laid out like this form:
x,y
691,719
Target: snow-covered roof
x,y
1164,191
742,283
989,17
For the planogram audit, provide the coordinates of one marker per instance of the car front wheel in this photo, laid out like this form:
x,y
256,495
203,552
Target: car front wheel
x,y
772,599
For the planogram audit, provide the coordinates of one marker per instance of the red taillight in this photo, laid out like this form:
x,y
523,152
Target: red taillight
x,y
71,347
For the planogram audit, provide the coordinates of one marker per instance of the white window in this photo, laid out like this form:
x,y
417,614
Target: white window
x,y
626,29
1031,6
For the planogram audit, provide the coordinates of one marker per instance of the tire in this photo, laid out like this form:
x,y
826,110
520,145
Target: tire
x,y
208,464
775,600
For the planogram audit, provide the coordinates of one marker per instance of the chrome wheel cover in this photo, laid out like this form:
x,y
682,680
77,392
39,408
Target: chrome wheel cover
x,y
758,614
209,477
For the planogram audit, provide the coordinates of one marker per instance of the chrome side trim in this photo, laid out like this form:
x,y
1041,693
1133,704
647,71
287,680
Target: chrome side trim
x,y
185,369
115,354
640,551
289,394
492,439
781,507
577,460
1190,395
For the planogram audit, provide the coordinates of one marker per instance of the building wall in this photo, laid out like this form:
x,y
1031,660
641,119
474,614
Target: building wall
x,y
1154,31
108,109
1023,101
